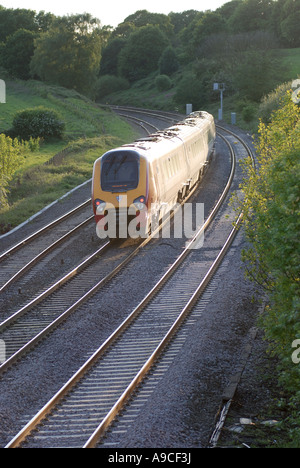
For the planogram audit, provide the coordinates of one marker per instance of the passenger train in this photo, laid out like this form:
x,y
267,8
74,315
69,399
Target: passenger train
x,y
138,184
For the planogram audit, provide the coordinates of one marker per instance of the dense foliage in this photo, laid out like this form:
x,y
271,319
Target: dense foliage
x,y
69,53
38,122
234,43
272,224
12,154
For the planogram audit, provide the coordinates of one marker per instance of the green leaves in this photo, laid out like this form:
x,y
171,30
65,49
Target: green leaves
x,y
69,53
38,122
272,226
11,158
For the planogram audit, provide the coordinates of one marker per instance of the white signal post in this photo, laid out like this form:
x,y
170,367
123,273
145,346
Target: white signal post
x,y
2,92
220,87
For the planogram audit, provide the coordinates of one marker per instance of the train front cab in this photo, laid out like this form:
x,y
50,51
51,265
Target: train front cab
x,y
120,193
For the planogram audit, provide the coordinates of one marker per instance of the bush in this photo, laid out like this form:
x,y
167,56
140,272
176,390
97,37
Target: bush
x,y
39,122
11,158
272,224
190,90
109,84
163,83
272,101
249,112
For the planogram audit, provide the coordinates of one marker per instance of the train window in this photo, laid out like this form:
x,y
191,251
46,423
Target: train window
x,y
120,171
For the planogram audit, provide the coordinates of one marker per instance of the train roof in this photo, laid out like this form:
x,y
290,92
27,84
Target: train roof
x,y
173,135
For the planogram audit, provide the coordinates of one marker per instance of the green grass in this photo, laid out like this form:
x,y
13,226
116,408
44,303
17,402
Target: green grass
x,y
144,94
90,131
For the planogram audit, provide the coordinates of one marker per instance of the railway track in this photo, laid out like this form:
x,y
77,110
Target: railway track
x,y
25,328
89,404
19,259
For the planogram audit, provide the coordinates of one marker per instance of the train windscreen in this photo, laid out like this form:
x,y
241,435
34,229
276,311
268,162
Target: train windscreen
x,y
119,171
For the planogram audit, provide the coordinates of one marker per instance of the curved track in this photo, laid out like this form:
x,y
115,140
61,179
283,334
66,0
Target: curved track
x,y
83,409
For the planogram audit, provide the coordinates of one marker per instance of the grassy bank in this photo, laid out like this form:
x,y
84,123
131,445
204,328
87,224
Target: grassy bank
x,y
90,131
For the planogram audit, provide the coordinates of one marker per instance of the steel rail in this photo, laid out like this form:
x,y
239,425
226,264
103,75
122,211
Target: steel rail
x,y
10,320
77,270
72,382
41,231
93,440
54,223
139,122
43,254
167,116
17,315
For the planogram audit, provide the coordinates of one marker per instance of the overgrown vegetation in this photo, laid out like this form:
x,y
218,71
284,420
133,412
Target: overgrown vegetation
x,y
272,224
39,122
11,158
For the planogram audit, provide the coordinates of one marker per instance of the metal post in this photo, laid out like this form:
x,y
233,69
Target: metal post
x,y
189,109
220,87
221,91
2,92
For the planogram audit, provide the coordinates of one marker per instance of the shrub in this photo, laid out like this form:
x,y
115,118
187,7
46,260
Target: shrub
x,y
109,84
39,122
249,112
272,101
190,90
11,158
272,224
163,83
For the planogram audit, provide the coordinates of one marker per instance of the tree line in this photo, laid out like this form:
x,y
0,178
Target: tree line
x,y
76,51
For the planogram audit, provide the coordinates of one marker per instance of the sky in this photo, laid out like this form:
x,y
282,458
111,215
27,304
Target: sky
x,y
112,12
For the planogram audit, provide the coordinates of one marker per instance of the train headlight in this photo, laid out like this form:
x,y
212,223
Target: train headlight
x,y
100,206
140,203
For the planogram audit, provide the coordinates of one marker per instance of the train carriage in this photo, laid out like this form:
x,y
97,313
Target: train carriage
x,y
141,182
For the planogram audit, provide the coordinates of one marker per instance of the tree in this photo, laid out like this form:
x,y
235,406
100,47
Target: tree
x,y
145,18
69,53
256,74
13,19
182,20
210,23
17,53
251,15
290,29
142,52
110,56
168,62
